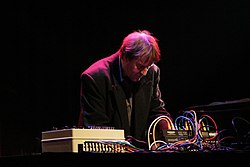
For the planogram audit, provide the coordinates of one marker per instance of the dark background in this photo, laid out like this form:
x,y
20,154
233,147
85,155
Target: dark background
x,y
204,45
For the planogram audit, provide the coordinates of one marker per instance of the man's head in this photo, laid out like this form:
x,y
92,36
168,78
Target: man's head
x,y
138,52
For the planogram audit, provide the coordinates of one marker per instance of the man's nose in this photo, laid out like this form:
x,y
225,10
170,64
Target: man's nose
x,y
144,71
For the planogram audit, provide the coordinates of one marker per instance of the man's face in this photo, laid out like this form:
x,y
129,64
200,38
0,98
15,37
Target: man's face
x,y
136,68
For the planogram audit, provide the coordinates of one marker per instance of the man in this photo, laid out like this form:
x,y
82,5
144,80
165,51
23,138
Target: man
x,y
122,91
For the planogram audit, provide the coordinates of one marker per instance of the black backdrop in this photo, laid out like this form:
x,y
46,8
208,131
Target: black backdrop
x,y
205,50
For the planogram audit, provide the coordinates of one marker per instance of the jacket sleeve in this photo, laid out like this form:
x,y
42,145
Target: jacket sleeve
x,y
157,104
92,102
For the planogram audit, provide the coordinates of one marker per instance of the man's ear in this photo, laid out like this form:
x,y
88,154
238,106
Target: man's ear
x,y
124,56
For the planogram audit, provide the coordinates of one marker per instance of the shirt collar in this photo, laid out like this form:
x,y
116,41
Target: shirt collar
x,y
120,69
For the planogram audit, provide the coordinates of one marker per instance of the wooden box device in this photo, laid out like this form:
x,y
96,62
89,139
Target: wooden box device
x,y
76,140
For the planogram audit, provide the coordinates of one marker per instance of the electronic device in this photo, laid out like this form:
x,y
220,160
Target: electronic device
x,y
80,140
172,136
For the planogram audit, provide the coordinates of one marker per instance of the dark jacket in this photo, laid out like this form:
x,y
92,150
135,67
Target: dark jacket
x,y
102,98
